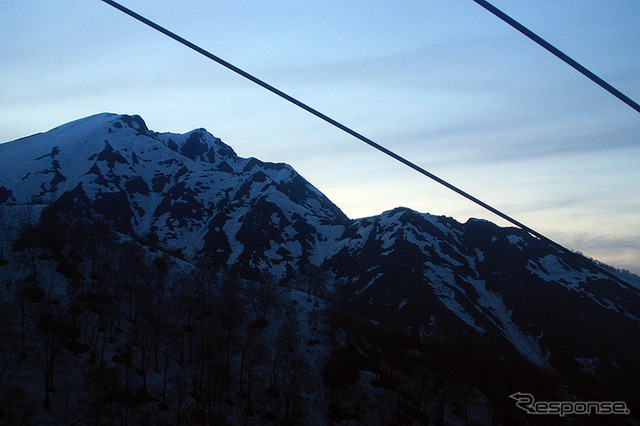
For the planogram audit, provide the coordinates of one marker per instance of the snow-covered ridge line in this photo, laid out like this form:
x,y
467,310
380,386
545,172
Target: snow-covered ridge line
x,y
192,194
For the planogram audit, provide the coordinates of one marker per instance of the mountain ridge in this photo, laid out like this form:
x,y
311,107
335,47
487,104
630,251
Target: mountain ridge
x,y
499,290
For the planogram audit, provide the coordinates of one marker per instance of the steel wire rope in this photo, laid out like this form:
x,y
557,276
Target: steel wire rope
x,y
558,53
364,139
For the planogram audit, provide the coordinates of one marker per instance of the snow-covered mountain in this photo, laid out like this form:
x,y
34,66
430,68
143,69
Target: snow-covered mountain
x,y
475,286
190,192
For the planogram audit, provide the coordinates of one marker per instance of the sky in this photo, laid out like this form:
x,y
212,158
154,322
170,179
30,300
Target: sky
x,y
443,83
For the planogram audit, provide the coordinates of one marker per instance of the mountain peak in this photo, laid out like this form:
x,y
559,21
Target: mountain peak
x,y
169,184
134,122
198,144
497,296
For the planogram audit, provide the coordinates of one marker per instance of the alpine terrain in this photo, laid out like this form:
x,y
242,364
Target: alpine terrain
x,y
159,278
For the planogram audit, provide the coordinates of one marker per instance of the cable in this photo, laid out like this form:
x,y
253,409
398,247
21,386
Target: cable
x,y
357,135
533,36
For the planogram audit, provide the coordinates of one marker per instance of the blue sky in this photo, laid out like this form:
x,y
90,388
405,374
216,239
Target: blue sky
x,y
444,83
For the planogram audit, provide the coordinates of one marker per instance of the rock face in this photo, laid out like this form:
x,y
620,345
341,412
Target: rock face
x,y
190,192
475,283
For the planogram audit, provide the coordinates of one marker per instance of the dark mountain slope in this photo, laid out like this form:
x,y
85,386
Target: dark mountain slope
x,y
472,289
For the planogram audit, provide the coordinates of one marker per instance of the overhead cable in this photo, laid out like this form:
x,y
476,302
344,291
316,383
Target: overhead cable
x,y
557,52
355,134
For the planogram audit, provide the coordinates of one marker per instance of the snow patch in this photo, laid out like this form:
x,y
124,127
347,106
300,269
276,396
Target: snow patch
x,y
441,279
373,280
517,241
501,317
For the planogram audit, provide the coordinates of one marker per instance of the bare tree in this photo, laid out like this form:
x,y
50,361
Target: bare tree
x,y
291,371
3,261
15,406
263,297
29,295
253,354
55,331
230,309
312,280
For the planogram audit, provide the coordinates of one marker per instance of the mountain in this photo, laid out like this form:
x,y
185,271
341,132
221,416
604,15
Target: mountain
x,y
507,307
189,192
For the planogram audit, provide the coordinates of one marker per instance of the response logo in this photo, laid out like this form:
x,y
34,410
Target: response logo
x,y
527,403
